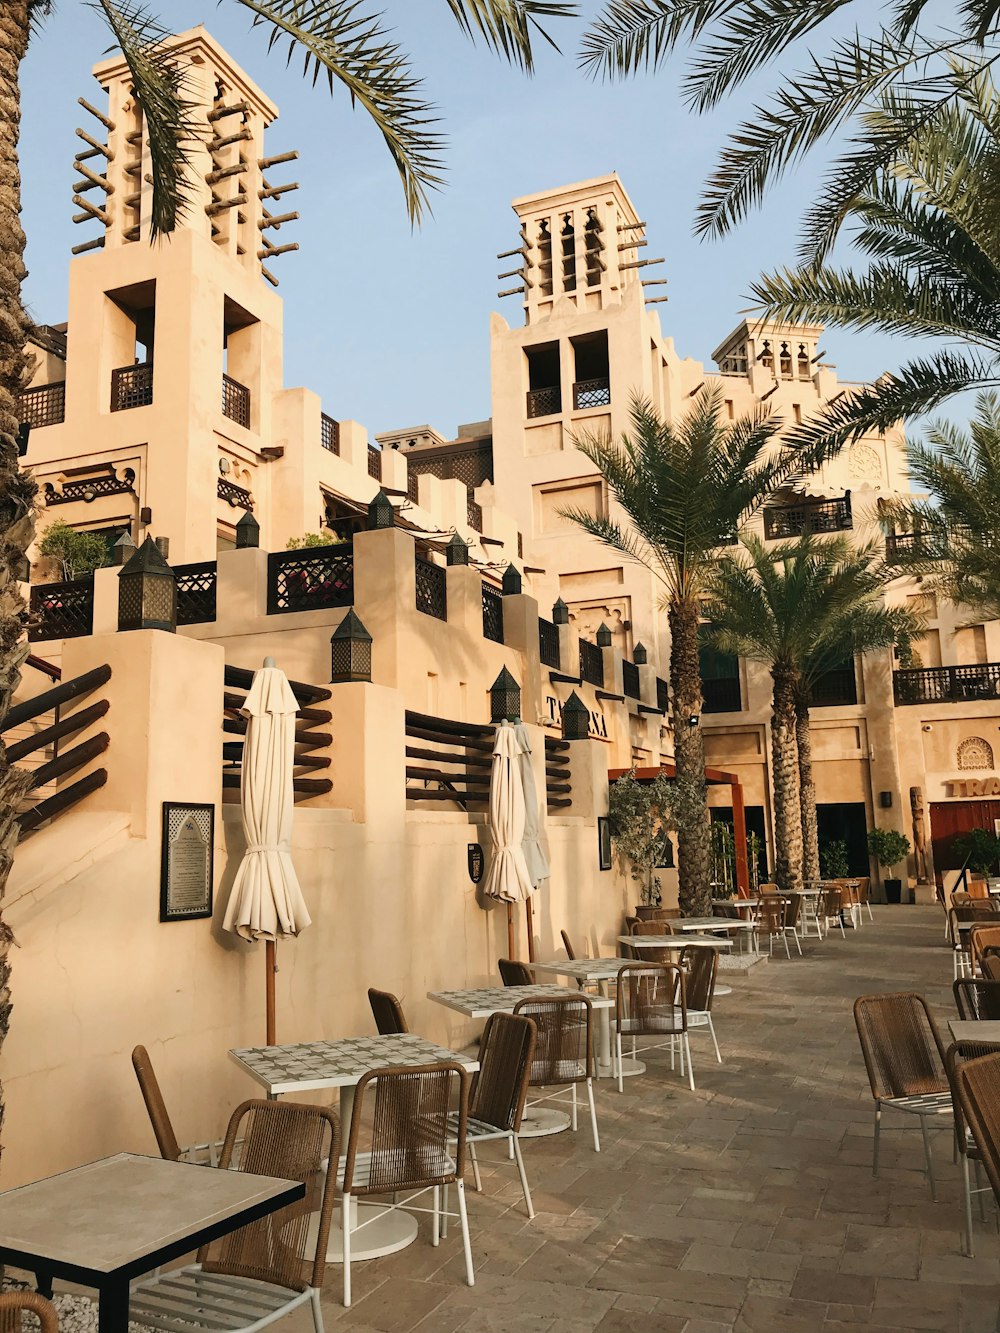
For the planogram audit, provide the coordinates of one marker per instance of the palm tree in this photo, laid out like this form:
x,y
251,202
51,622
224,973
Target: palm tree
x,y
954,534
337,40
684,490
801,608
912,51
928,225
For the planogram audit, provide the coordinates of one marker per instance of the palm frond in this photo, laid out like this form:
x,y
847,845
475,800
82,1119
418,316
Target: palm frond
x,y
346,42
631,35
159,90
507,25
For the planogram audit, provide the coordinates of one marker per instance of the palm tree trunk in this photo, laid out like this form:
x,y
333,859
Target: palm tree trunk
x,y
807,790
17,491
785,764
694,851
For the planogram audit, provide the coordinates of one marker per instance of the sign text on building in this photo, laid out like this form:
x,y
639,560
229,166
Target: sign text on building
x,y
974,786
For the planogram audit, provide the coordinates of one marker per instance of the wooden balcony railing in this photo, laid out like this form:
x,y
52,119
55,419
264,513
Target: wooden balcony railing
x,y
548,643
310,580
591,393
132,386
196,585
544,402
781,521
448,761
630,680
591,664
953,684
43,405
236,401
61,610
329,433
492,613
558,782
432,589
311,733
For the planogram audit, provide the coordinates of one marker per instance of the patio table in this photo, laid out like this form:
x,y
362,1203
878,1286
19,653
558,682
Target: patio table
x,y
676,942
314,1065
599,970
102,1224
982,1029
480,1002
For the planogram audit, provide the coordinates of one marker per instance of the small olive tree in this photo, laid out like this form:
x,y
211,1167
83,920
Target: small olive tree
x,y
640,813
76,553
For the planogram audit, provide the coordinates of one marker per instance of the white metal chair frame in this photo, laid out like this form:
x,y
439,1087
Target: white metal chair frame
x,y
524,1008
356,1167
677,1040
189,1299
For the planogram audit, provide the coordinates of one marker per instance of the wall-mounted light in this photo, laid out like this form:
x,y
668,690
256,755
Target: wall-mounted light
x,y
693,720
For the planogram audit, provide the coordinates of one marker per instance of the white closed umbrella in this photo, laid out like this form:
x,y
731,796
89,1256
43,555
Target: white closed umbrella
x,y
266,901
534,854
508,877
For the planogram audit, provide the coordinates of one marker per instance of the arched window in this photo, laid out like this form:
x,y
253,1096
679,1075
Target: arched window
x,y
786,362
974,752
804,366
766,357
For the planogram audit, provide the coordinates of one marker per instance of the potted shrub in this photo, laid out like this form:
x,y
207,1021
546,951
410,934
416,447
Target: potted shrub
x,y
979,848
833,862
889,847
638,814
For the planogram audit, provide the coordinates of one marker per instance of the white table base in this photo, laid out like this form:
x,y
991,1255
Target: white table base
x,y
540,1121
385,1232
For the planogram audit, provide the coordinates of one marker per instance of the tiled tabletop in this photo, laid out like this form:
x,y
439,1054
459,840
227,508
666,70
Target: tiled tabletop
x,y
984,1029
677,941
480,1003
584,969
311,1065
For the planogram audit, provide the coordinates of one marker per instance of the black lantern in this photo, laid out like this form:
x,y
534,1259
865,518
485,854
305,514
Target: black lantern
x,y
456,552
124,548
147,591
505,698
510,584
350,651
603,637
639,654
560,612
380,512
575,719
247,532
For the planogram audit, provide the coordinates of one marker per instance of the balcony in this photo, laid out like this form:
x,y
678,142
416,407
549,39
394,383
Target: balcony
x,y
901,547
782,521
236,401
591,393
591,664
61,610
630,680
548,643
943,685
44,405
722,696
544,402
132,386
374,462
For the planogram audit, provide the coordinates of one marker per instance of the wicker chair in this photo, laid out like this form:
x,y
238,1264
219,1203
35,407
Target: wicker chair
x,y
570,951
990,963
977,1085
768,888
388,1012
959,939
790,922
499,1091
513,973
410,1151
904,1057
653,955
702,972
982,935
254,1276
564,1050
652,1002
205,1154
14,1304
957,1055
771,921
830,907
977,998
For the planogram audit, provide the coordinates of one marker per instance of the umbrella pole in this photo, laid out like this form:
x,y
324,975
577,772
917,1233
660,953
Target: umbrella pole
x,y
510,931
269,965
529,918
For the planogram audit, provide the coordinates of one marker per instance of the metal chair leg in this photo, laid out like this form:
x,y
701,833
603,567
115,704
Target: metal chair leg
x,y
346,1227
927,1154
475,1168
686,1046
317,1310
524,1179
593,1114
967,1208
436,1218
618,1046
711,1028
875,1140
466,1242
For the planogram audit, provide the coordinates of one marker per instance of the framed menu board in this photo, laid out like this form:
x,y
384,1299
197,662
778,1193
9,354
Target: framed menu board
x,y
186,861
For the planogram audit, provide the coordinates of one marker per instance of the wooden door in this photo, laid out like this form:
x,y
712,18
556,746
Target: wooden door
x,y
948,820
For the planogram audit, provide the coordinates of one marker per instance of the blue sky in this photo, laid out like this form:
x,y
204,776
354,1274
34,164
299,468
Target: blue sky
x,y
389,325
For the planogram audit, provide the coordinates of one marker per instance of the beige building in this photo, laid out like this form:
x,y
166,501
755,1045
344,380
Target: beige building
x,y
590,340
161,408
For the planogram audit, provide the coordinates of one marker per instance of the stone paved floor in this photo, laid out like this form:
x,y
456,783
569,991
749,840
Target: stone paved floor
x,y
747,1205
